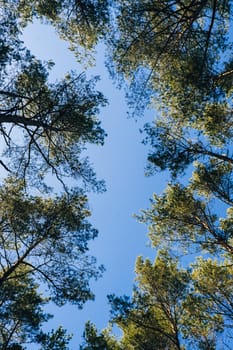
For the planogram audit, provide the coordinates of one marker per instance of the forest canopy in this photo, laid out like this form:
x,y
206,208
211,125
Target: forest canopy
x,y
45,231
174,57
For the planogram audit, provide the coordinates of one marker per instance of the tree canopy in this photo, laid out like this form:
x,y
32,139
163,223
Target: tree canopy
x,y
172,307
82,23
44,128
55,122
176,57
44,241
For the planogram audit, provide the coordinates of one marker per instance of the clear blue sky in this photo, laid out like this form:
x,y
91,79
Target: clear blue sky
x,y
120,162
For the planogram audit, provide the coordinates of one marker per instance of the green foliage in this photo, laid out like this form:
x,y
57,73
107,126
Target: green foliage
x,y
42,241
55,122
21,313
177,55
44,128
151,320
50,237
171,307
82,23
176,42
55,340
213,280
179,216
95,341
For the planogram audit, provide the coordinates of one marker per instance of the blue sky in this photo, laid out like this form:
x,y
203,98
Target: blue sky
x,y
120,162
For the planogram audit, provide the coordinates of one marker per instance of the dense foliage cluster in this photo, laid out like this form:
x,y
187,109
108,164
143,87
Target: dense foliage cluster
x,y
44,128
177,57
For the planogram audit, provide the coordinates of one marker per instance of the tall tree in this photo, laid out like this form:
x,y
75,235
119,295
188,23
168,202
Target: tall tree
x,y
171,44
179,217
180,51
43,241
44,128
21,312
82,23
55,121
50,237
98,341
54,340
184,46
171,308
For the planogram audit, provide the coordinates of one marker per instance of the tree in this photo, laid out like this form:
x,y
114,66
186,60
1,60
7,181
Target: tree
x,y
43,241
181,51
171,308
50,237
184,47
55,340
169,44
22,315
55,120
94,341
44,129
179,216
21,310
177,55
82,23
212,285
45,126
150,320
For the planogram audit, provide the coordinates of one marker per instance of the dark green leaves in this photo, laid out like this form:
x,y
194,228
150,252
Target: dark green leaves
x,y
55,120
82,23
